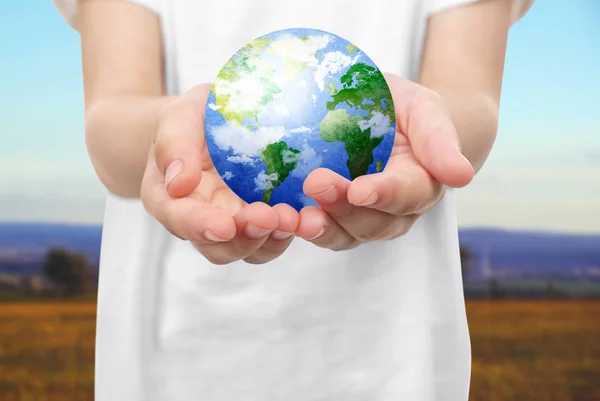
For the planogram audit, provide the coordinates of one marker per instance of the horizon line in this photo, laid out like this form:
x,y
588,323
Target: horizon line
x,y
460,228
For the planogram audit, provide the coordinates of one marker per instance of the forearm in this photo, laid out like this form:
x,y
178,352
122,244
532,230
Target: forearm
x,y
118,133
121,47
475,117
463,61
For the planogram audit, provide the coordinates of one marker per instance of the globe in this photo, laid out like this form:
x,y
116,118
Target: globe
x,y
290,102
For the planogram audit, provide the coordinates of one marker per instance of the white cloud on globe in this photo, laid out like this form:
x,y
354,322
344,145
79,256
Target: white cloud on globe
x,y
379,123
332,63
244,142
242,159
293,98
281,109
293,48
265,181
309,160
289,157
301,130
245,94
306,200
265,136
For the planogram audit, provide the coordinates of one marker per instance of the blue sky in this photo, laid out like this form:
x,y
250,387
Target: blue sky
x,y
544,172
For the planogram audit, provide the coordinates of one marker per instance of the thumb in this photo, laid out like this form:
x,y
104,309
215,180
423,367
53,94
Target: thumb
x,y
423,118
179,144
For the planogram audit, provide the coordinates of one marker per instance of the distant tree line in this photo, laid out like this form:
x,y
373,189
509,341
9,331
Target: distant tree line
x,y
69,274
69,271
466,259
494,288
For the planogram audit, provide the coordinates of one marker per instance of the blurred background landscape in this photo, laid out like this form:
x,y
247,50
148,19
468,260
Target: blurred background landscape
x,y
529,223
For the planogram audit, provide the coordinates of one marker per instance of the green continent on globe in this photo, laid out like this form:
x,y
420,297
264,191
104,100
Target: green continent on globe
x,y
280,160
339,126
362,82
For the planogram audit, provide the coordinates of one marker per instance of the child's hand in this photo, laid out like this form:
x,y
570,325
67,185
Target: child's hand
x,y
425,157
182,189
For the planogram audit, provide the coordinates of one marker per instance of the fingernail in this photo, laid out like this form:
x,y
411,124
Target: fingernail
x,y
209,235
254,232
467,161
369,200
328,196
281,235
449,154
459,150
319,235
174,168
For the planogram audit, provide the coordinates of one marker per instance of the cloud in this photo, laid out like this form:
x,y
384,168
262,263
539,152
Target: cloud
x,y
306,200
332,63
380,124
289,157
288,65
241,159
212,106
302,51
301,130
265,181
227,175
281,109
292,105
309,160
244,142
268,135
245,94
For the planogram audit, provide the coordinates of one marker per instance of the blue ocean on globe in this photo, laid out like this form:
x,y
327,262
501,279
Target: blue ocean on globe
x,y
290,102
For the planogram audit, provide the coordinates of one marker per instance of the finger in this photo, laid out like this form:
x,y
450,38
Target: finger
x,y
401,189
288,223
318,227
179,143
186,218
329,190
254,224
362,223
280,239
422,116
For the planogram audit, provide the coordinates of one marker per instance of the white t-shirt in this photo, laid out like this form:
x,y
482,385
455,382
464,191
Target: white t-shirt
x,y
383,322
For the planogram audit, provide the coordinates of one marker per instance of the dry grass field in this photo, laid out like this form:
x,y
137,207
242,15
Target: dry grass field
x,y
47,351
535,350
522,350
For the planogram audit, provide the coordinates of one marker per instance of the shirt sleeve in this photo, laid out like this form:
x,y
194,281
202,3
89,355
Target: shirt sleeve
x,y
518,7
68,8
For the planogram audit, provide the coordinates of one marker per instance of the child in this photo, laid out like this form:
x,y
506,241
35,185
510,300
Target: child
x,y
204,297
